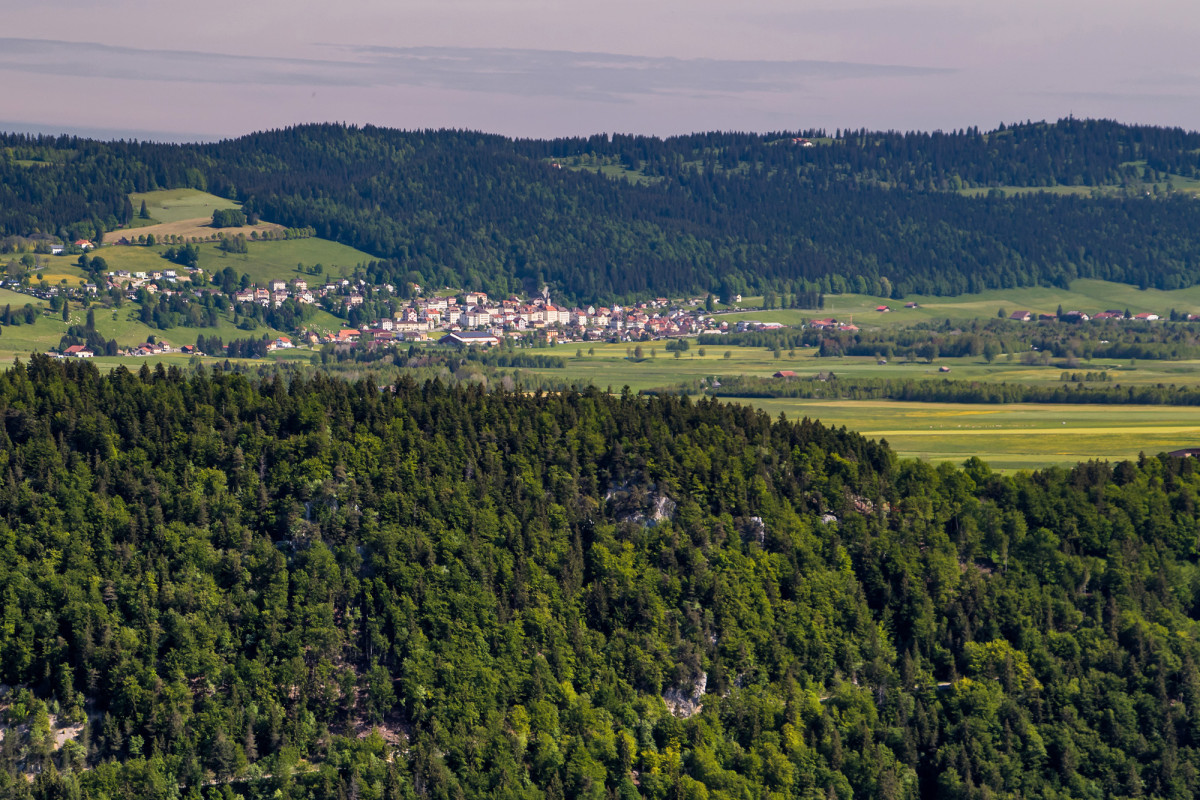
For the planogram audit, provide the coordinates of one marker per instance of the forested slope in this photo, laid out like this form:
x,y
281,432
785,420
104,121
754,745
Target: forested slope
x,y
722,212
569,595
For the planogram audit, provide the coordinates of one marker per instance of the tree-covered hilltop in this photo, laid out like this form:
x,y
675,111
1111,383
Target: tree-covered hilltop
x,y
722,212
319,589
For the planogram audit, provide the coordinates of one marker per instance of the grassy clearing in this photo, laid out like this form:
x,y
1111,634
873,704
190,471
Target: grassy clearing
x,y
181,212
1173,183
272,260
18,300
175,205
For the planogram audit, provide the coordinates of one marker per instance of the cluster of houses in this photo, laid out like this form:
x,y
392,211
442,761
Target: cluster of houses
x,y
131,282
1080,316
831,324
475,319
278,292
155,348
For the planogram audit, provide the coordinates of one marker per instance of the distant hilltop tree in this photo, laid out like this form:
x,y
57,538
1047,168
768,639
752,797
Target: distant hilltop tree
x,y
228,218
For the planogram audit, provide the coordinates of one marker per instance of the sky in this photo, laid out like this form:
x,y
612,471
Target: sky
x,y
170,71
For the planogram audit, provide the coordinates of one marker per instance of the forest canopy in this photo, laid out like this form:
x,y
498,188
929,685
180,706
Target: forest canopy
x,y
318,588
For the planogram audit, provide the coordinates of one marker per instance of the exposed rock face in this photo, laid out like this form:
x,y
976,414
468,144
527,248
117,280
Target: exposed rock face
x,y
636,504
684,703
754,528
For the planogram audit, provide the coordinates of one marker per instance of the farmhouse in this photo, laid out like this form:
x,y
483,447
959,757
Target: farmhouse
x,y
78,351
1020,316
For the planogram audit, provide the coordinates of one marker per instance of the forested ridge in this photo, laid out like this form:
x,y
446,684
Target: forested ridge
x,y
721,212
316,588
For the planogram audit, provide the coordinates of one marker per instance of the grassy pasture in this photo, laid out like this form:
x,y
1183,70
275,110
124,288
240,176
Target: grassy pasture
x,y
1018,436
1176,183
181,212
265,261
272,260
198,227
1089,296
176,205
18,300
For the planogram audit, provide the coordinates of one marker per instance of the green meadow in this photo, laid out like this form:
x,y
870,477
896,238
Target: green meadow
x,y
1089,296
122,324
1013,436
1017,436
176,205
277,260
609,365
265,261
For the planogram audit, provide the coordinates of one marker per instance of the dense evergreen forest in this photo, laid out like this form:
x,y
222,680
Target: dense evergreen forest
x,y
723,212
317,589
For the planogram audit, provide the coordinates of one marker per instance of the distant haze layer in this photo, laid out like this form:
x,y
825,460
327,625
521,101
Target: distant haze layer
x,y
526,68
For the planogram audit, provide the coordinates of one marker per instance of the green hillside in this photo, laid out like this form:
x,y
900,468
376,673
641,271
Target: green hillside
x,y
606,218
216,587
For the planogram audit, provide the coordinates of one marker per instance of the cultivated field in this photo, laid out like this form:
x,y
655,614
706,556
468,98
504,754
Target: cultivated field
x,y
1018,436
609,366
197,227
1013,436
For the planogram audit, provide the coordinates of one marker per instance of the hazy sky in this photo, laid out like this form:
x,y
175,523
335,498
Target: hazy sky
x,y
171,70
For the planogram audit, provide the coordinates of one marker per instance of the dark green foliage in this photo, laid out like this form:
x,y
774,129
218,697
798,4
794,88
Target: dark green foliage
x,y
187,255
234,244
235,579
228,218
1075,387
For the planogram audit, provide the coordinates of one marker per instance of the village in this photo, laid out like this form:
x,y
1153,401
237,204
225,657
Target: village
x,y
465,319
374,316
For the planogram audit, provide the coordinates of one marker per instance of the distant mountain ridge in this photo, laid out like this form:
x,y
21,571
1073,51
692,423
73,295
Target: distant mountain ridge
x,y
613,217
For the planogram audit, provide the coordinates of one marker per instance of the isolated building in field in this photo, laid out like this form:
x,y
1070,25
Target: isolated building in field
x,y
469,339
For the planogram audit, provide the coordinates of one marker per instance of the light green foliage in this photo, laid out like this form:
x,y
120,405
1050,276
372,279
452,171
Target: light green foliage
x,y
557,595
